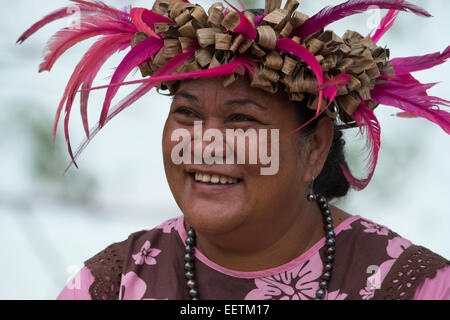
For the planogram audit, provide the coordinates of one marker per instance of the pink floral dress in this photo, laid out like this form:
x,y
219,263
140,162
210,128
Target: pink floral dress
x,y
372,262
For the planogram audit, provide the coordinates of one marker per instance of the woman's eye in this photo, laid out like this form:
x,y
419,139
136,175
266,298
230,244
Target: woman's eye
x,y
186,112
241,117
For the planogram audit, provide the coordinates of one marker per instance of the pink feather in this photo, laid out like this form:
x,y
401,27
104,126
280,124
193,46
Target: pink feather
x,y
150,18
239,63
245,27
385,24
340,80
86,8
90,26
329,91
99,6
141,53
103,56
146,26
405,115
56,15
409,87
370,127
83,68
167,68
407,93
332,14
242,6
412,64
258,19
290,46
105,46
419,105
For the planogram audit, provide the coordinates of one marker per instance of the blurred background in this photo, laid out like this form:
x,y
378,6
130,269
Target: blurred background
x,y
50,223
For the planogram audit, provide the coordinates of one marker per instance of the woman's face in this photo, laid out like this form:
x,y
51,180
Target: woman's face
x,y
255,199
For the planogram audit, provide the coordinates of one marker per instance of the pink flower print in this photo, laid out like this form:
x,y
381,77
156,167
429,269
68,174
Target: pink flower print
x,y
373,227
146,254
132,287
367,293
394,249
347,227
335,295
299,283
396,246
168,225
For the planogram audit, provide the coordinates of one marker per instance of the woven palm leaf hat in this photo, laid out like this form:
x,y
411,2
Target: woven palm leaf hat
x,y
345,76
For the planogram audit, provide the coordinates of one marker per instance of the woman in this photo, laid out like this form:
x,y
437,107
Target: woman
x,y
256,226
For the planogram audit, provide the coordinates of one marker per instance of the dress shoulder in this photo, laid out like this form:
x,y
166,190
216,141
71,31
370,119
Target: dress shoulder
x,y
388,266
106,268
108,265
412,268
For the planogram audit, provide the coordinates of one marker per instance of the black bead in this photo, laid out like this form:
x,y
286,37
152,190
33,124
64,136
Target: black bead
x,y
320,293
330,258
328,267
331,242
323,284
321,200
191,233
326,213
329,227
189,275
190,241
331,250
328,219
330,234
188,257
326,275
323,206
189,249
311,197
189,266
193,293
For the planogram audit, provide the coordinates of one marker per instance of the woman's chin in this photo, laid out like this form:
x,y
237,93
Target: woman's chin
x,y
213,218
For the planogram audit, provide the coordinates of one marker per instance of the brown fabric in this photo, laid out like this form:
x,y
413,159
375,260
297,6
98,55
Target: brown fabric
x,y
414,265
106,267
359,245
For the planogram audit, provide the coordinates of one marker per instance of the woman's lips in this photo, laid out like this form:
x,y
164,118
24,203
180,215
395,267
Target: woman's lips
x,y
212,182
214,178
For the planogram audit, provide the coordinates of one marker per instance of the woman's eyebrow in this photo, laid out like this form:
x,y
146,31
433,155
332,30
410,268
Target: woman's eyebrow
x,y
186,95
244,101
240,101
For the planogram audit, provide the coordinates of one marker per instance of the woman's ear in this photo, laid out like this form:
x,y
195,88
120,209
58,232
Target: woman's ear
x,y
319,148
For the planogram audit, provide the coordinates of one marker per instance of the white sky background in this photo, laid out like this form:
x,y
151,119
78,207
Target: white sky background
x,y
44,241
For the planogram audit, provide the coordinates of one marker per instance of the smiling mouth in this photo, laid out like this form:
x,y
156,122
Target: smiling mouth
x,y
207,178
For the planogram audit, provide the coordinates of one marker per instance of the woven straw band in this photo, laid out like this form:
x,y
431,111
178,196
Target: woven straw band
x,y
352,54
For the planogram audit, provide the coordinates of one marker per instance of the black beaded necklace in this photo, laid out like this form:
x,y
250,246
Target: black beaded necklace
x,y
321,201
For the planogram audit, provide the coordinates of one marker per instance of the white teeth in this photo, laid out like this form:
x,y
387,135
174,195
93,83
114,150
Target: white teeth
x,y
205,177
